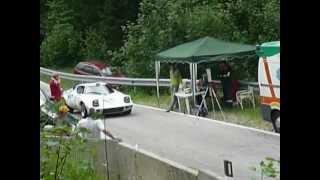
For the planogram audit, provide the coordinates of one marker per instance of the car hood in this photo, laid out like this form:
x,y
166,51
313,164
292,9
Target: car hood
x,y
115,99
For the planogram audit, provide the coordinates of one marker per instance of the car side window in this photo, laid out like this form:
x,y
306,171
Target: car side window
x,y
80,66
95,71
87,69
80,89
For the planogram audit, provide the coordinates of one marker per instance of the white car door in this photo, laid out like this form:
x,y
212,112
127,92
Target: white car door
x,y
70,98
78,96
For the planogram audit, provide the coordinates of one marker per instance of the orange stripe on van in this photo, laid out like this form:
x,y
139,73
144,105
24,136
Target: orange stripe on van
x,y
269,100
266,66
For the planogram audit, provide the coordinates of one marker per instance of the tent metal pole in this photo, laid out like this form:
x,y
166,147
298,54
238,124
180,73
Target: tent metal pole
x,y
190,68
191,78
194,83
196,70
157,66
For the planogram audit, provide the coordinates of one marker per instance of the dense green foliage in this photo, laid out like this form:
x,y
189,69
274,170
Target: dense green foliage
x,y
113,31
74,30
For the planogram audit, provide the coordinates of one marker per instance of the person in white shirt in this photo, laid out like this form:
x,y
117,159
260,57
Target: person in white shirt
x,y
96,128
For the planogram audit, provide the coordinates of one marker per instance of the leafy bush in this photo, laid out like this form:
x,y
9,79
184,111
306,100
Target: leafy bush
x,y
61,47
269,167
94,45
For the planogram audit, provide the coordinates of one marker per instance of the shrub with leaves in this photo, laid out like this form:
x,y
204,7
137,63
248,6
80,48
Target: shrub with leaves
x,y
269,167
94,45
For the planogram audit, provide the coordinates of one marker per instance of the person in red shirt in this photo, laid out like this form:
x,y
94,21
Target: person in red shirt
x,y
56,90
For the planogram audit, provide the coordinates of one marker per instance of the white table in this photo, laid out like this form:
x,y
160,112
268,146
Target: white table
x,y
186,96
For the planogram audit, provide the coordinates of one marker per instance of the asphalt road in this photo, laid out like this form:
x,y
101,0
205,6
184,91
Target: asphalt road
x,y
196,143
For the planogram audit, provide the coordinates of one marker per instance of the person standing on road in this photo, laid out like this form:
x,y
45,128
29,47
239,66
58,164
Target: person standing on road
x,y
96,128
175,80
55,88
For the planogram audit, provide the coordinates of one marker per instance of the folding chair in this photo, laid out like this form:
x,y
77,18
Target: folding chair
x,y
245,94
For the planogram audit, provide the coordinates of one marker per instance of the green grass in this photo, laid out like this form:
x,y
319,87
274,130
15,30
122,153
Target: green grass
x,y
249,117
151,100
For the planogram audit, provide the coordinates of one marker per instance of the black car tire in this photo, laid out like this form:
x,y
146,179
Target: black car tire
x,y
84,112
70,109
276,121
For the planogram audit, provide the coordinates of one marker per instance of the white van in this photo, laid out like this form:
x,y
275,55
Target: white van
x,y
269,82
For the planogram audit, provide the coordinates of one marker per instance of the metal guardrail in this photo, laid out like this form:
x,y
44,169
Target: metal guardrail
x,y
126,81
110,80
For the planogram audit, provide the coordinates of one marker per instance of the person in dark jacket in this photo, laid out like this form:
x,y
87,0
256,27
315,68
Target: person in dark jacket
x,y
55,88
226,82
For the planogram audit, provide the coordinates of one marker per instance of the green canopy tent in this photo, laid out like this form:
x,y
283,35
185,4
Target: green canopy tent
x,y
205,49
268,49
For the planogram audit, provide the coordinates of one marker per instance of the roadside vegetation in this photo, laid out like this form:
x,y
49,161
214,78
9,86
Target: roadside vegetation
x,y
63,153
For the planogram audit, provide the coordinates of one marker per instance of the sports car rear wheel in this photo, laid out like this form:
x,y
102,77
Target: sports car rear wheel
x,y
84,112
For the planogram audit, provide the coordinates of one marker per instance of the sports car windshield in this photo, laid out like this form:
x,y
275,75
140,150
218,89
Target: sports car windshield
x,y
100,90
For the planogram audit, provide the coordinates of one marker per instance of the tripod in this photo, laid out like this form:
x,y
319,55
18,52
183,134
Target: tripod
x,y
212,95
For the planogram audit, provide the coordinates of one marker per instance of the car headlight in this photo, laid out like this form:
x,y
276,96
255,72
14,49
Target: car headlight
x,y
95,103
127,99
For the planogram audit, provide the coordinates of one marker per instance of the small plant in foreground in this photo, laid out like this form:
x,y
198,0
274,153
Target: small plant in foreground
x,y
269,168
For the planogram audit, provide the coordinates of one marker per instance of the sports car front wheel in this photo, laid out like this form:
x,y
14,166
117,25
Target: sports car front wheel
x,y
128,112
84,112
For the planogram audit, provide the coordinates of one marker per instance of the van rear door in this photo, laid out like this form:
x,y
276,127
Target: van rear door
x,y
269,76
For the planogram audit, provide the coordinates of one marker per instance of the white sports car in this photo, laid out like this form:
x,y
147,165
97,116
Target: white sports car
x,y
99,96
